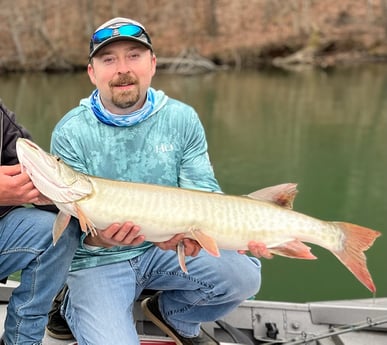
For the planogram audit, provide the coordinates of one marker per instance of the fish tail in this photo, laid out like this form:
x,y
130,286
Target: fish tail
x,y
357,239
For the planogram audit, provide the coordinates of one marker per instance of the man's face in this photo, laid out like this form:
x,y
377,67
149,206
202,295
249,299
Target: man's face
x,y
122,71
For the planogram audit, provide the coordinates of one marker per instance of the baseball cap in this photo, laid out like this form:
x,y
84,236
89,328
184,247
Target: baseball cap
x,y
118,29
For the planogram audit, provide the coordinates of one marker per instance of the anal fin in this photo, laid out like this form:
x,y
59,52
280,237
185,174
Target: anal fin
x,y
293,249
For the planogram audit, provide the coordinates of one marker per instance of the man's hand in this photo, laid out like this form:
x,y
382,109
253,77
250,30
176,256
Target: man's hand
x,y
16,188
258,249
191,247
127,235
117,235
42,201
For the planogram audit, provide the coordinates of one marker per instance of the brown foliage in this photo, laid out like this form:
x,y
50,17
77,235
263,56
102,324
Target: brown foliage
x,y
54,34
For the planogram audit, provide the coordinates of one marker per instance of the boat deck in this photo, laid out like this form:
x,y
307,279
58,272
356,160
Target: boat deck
x,y
344,322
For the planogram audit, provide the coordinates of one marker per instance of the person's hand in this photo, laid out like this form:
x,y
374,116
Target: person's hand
x,y
126,234
258,249
191,247
42,200
16,187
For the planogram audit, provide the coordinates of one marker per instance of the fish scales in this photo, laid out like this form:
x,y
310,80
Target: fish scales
x,y
214,220
162,212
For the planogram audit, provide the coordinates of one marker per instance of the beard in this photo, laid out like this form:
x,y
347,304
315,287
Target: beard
x,y
126,98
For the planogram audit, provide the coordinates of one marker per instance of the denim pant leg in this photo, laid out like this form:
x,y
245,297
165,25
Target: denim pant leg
x,y
100,301
26,245
213,287
99,304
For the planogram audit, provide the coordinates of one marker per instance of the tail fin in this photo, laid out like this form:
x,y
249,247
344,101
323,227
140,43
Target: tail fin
x,y
357,240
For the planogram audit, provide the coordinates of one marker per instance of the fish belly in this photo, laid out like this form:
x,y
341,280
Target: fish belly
x,y
232,221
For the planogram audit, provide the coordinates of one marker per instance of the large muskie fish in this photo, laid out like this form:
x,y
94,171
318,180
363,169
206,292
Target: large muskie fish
x,y
214,220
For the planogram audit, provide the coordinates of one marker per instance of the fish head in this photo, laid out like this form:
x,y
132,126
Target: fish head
x,y
50,175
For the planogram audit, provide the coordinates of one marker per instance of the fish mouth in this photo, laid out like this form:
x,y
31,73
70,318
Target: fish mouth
x,y
22,157
32,144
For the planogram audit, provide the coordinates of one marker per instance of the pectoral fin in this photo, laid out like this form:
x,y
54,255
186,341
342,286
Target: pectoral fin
x,y
207,242
293,249
60,224
86,224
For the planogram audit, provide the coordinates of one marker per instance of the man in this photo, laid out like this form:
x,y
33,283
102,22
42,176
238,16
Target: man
x,y
26,243
126,130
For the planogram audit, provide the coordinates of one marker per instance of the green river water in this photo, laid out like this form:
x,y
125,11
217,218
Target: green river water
x,y
327,131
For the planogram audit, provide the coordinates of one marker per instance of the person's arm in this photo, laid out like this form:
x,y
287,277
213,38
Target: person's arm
x,y
16,187
11,131
196,172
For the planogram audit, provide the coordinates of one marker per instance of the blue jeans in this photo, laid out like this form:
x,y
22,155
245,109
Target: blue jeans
x,y
99,305
26,245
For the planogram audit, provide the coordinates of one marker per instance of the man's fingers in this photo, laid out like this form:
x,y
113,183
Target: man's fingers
x,y
192,247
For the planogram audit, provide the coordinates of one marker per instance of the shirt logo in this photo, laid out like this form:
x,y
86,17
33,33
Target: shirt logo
x,y
164,148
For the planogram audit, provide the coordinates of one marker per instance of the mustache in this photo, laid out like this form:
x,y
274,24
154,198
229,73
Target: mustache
x,y
123,79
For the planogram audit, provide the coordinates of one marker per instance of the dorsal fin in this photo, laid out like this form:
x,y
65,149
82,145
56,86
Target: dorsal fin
x,y
281,194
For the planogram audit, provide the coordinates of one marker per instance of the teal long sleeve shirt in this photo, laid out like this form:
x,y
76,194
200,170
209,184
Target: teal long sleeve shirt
x,y
168,148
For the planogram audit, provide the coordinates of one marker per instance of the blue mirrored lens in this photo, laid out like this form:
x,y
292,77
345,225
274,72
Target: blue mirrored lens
x,y
125,30
130,30
102,35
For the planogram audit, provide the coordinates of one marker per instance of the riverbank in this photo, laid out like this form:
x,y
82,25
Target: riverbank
x,y
54,36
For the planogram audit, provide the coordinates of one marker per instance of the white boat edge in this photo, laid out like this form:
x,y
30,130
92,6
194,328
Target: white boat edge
x,y
345,322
